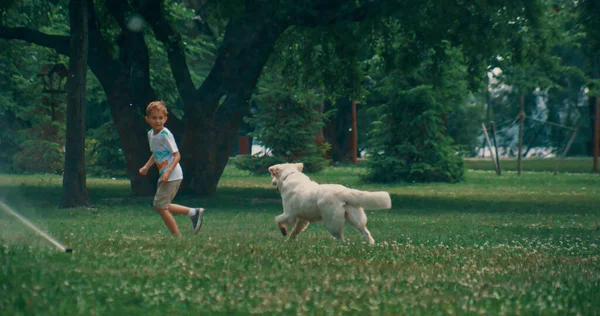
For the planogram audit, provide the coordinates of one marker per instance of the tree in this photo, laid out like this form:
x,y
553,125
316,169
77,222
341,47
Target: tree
x,y
213,111
409,141
74,185
32,137
551,65
338,131
286,122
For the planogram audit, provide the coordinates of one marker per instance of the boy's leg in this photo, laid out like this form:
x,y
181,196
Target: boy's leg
x,y
179,209
169,221
195,214
164,195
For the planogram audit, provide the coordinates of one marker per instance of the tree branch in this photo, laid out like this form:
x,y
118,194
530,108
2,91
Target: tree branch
x,y
203,26
58,42
133,54
152,11
100,61
331,12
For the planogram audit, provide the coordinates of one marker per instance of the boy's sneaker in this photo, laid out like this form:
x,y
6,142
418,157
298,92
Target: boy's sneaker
x,y
197,220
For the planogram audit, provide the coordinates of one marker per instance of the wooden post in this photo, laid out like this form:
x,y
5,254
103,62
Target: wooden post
x,y
487,138
354,146
244,145
488,108
596,133
566,150
499,169
521,119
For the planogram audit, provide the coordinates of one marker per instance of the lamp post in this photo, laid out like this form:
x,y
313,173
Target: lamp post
x,y
53,82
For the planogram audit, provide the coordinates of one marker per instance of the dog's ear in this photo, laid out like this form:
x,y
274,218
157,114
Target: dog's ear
x,y
274,171
300,166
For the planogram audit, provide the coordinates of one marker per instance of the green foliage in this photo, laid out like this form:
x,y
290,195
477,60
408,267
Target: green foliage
x,y
325,58
104,156
256,164
551,73
409,141
286,122
346,58
39,156
43,148
589,10
47,15
20,95
463,125
31,139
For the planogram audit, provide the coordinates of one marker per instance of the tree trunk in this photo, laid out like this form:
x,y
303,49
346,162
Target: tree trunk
x,y
592,118
337,131
210,127
74,179
132,135
126,82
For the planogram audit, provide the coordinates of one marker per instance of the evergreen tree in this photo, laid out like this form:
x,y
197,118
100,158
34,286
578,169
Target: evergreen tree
x,y
286,123
409,142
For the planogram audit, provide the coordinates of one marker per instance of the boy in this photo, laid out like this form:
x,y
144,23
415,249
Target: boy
x,y
166,157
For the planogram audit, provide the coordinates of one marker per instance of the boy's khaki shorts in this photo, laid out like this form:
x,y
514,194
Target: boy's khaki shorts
x,y
165,193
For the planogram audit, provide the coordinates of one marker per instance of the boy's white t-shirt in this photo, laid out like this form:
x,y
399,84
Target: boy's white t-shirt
x,y
163,146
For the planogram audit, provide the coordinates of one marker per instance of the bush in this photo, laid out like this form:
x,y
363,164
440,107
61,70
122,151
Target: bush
x,y
256,164
39,156
409,142
260,164
104,156
286,123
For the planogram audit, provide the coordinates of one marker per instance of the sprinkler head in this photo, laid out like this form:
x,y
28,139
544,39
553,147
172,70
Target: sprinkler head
x,y
68,250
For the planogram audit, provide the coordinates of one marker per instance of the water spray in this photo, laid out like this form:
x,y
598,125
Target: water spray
x,y
34,228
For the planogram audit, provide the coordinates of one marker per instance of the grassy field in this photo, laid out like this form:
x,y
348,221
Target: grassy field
x,y
490,245
570,165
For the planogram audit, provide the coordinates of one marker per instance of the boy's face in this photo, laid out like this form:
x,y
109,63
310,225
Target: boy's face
x,y
156,119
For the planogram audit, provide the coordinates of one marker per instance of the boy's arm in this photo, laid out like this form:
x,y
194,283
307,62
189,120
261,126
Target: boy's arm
x,y
176,158
167,173
144,170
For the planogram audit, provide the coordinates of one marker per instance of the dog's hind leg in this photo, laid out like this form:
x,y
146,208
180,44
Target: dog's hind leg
x,y
300,226
335,220
356,217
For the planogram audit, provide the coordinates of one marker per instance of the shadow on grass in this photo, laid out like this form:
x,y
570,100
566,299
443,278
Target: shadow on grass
x,y
253,199
48,196
419,205
416,205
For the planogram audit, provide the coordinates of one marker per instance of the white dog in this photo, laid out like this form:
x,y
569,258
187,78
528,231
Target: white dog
x,y
306,201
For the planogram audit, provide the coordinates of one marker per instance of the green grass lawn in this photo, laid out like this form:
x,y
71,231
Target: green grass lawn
x,y
490,245
571,164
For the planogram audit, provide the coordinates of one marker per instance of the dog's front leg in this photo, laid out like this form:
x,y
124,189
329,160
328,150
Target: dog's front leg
x,y
300,226
281,222
283,229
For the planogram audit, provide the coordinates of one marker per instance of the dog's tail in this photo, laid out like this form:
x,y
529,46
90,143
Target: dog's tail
x,y
368,200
